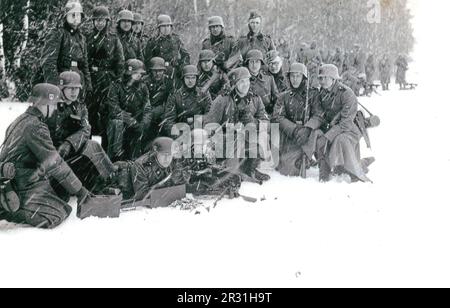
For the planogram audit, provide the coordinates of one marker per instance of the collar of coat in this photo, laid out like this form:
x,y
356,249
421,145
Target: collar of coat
x,y
217,39
33,111
260,76
259,36
71,30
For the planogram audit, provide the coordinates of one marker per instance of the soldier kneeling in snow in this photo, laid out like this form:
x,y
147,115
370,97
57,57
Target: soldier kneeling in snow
x,y
71,132
29,147
136,179
335,135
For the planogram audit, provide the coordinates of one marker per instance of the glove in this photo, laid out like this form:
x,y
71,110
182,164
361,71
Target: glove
x,y
64,149
302,134
83,196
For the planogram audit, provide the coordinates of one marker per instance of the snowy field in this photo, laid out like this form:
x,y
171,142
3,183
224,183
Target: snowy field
x,y
393,233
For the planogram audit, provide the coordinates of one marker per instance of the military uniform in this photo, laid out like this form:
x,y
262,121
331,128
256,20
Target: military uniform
x,y
172,50
336,137
66,49
183,105
106,63
370,70
384,68
233,109
214,80
88,160
221,45
281,81
264,86
402,67
29,146
136,178
338,61
125,109
131,45
290,112
159,92
251,41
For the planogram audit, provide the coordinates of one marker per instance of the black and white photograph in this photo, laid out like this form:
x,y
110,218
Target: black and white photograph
x,y
224,144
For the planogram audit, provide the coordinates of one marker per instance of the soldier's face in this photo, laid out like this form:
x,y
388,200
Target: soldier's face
x,y
164,159
136,76
326,82
137,28
165,30
207,65
71,94
190,81
158,74
243,86
255,25
254,66
126,25
296,79
216,30
275,66
100,24
74,20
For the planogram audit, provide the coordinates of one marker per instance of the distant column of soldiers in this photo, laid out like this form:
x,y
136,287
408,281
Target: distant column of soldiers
x,y
134,91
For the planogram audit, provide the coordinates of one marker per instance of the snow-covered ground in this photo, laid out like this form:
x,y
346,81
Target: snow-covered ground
x,y
392,233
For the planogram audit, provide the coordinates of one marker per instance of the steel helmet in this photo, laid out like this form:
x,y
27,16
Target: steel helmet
x,y
164,20
206,55
73,6
125,15
216,21
138,18
69,79
238,74
329,70
157,63
45,94
101,12
135,66
190,70
298,68
254,54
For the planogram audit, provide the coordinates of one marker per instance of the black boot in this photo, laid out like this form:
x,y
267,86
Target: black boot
x,y
261,176
324,171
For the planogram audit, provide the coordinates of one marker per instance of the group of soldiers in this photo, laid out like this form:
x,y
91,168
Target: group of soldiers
x,y
98,85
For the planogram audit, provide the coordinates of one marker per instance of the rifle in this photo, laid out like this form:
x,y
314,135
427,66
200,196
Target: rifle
x,y
306,119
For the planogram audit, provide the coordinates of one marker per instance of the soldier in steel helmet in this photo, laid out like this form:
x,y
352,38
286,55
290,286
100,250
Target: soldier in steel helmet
x,y
124,111
106,64
188,103
262,84
169,46
131,45
240,106
136,178
211,78
66,49
71,132
291,111
28,145
219,42
335,137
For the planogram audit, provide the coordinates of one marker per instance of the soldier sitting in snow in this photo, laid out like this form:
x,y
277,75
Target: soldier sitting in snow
x,y
335,135
70,131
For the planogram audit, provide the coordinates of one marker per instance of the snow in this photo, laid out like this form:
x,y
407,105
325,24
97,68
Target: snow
x,y
393,233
